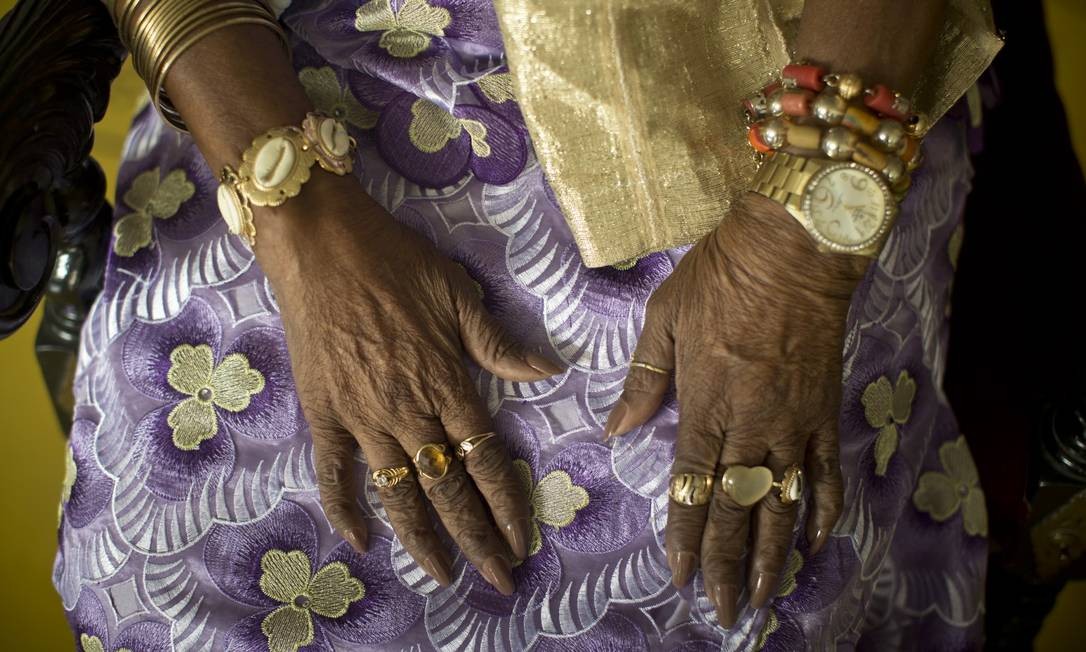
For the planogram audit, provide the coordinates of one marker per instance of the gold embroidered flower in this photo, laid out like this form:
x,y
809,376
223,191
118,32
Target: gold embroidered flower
x,y
497,87
287,578
229,386
555,501
958,487
94,644
772,624
432,127
70,473
149,197
322,87
407,32
886,407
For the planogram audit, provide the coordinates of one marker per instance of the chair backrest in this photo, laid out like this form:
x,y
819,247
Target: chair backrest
x,y
57,60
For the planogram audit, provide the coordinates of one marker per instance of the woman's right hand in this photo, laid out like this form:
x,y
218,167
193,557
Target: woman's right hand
x,y
377,322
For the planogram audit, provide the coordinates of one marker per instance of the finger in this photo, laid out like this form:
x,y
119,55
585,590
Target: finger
x,y
406,509
489,345
697,449
644,389
773,524
333,459
463,415
726,532
457,503
823,469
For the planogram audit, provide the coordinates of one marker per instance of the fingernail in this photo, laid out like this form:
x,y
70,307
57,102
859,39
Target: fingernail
x,y
437,566
542,364
496,571
817,540
516,535
682,567
725,597
764,585
614,421
357,539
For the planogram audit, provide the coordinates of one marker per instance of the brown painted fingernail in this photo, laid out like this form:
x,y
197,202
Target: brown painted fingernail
x,y
542,364
516,535
764,585
614,421
682,567
496,571
357,538
725,597
817,540
437,566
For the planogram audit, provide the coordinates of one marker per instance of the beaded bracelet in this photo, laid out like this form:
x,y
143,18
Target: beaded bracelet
x,y
276,166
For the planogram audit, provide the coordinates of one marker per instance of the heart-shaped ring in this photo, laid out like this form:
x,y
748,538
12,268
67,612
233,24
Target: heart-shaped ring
x,y
747,485
432,462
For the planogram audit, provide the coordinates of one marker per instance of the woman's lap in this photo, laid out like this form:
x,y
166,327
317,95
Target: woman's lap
x,y
176,505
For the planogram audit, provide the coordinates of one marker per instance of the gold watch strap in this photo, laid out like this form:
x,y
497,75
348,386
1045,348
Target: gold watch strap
x,y
782,178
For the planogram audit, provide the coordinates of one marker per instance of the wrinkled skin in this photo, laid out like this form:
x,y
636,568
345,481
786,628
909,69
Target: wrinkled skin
x,y
377,323
752,322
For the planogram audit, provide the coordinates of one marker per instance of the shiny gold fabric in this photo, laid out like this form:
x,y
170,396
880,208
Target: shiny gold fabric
x,y
633,105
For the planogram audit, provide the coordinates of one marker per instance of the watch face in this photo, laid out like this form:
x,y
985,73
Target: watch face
x,y
848,205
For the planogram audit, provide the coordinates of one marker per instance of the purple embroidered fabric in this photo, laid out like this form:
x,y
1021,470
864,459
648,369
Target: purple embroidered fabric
x,y
190,517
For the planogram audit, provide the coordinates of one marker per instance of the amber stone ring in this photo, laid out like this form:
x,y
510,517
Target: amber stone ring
x,y
432,461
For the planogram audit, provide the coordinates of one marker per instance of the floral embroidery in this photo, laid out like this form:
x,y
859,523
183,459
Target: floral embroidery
x,y
791,569
323,88
555,501
941,494
228,386
286,579
498,87
432,127
772,624
94,644
407,32
149,197
954,245
70,473
887,407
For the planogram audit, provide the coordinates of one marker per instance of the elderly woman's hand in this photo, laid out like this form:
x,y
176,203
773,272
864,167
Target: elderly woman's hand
x,y
752,322
377,322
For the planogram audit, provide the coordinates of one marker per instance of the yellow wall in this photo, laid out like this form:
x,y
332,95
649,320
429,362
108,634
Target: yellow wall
x,y
30,614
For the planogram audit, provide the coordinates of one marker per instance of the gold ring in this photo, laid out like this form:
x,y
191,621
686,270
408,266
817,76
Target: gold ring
x,y
791,485
471,443
432,462
657,370
690,488
389,477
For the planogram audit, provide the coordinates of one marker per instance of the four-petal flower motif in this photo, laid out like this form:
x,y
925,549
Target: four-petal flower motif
x,y
228,385
407,30
886,407
555,500
287,578
150,197
942,493
272,565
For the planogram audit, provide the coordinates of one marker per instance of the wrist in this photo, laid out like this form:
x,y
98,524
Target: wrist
x,y
765,239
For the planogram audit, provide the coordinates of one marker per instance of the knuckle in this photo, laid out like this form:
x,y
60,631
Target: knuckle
x,y
489,462
451,491
400,497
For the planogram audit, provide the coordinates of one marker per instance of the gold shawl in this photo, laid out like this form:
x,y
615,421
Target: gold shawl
x,y
633,105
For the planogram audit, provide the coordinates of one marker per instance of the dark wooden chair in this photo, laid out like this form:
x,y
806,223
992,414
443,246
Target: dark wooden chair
x,y
1017,369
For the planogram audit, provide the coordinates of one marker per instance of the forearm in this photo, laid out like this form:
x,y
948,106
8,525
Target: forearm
x,y
884,41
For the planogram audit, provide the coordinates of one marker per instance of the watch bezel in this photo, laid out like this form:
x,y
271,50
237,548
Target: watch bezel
x,y
888,212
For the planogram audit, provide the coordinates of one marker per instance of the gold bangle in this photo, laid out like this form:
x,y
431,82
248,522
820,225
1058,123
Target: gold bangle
x,y
649,367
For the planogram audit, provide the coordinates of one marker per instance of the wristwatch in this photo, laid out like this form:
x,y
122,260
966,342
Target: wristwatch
x,y
846,207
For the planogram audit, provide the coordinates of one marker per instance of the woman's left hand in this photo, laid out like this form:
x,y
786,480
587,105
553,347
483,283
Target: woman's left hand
x,y
752,321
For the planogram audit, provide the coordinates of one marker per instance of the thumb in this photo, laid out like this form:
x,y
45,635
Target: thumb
x,y
650,371
493,349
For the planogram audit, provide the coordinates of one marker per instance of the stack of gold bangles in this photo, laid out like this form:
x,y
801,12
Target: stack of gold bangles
x,y
431,461
158,32
746,485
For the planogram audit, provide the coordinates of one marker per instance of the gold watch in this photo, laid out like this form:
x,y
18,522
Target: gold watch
x,y
846,207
